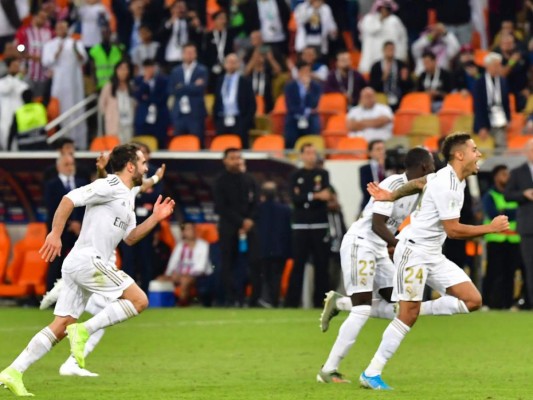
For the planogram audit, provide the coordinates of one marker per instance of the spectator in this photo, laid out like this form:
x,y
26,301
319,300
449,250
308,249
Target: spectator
x,y
434,80
508,28
466,73
380,25
374,171
337,229
370,120
11,15
314,26
189,264
65,146
146,50
151,115
491,102
10,51
301,97
217,45
273,17
104,57
274,235
346,80
310,193
261,70
27,128
444,45
11,88
32,39
236,198
187,84
93,16
138,261
503,249
319,71
456,16
177,31
515,69
390,76
275,57
234,107
116,103
54,190
65,56
520,189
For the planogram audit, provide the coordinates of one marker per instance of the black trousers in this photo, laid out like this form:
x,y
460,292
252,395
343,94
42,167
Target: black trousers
x,y
306,243
231,262
526,247
272,269
503,259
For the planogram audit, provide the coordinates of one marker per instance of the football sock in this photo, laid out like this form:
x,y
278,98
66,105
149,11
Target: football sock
x,y
346,338
382,309
38,346
118,311
344,303
94,339
392,337
445,305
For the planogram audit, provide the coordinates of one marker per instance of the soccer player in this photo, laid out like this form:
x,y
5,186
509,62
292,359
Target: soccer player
x,y
418,255
366,263
109,218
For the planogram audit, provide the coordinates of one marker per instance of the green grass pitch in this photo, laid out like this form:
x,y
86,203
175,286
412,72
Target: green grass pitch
x,y
219,354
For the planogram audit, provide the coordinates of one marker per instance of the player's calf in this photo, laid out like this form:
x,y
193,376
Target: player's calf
x,y
468,294
409,311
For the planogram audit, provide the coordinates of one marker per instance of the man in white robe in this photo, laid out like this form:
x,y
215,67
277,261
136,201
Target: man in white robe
x,y
11,88
65,58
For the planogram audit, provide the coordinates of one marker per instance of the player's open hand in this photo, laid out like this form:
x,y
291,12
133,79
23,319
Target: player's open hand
x,y
102,160
161,171
51,247
500,223
163,208
378,193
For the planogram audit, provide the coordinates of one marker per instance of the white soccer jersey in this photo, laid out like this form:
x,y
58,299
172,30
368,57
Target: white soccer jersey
x,y
441,199
396,211
109,215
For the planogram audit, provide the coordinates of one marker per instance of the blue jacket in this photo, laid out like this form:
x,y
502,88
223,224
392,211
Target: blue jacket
x,y
178,89
145,96
481,107
274,229
295,105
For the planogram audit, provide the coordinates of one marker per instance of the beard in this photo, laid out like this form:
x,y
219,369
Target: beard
x,y
137,179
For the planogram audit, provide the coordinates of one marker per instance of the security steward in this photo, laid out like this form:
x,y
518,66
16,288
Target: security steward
x,y
29,121
310,192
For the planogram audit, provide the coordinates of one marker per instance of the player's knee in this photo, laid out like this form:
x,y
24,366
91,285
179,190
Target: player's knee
x,y
140,302
474,302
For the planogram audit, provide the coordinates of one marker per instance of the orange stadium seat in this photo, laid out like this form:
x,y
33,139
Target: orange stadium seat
x,y
272,143
53,109
104,143
512,103
432,143
355,56
223,142
518,142
403,121
208,232
416,101
277,116
458,102
260,105
516,127
5,246
184,143
332,103
447,120
479,56
353,148
337,123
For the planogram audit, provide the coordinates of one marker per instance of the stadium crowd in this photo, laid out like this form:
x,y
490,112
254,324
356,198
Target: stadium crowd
x,y
207,68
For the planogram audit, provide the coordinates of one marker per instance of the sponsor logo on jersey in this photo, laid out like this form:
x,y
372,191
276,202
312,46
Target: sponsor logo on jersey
x,y
120,224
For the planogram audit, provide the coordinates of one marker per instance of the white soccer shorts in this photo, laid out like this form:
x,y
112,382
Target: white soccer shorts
x,y
85,274
363,269
415,268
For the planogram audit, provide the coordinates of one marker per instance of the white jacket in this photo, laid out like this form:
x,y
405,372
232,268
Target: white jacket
x,y
200,255
302,14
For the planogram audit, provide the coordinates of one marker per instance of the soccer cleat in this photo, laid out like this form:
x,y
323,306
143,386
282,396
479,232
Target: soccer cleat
x,y
78,336
51,297
331,377
71,368
12,380
330,309
373,382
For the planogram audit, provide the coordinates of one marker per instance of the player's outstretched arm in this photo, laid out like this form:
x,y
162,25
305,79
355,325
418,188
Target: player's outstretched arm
x,y
162,209
456,230
52,245
148,183
101,163
412,187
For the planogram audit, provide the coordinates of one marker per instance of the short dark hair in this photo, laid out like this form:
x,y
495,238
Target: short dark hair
x,y
146,27
496,170
185,223
219,12
122,155
372,143
149,62
429,54
230,150
59,143
388,43
301,64
451,142
190,44
305,146
27,96
416,157
141,146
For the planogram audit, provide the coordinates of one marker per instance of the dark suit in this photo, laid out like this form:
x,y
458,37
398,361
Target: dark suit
x,y
147,95
519,181
339,84
165,33
481,106
209,56
366,175
402,86
296,106
244,121
54,190
194,121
